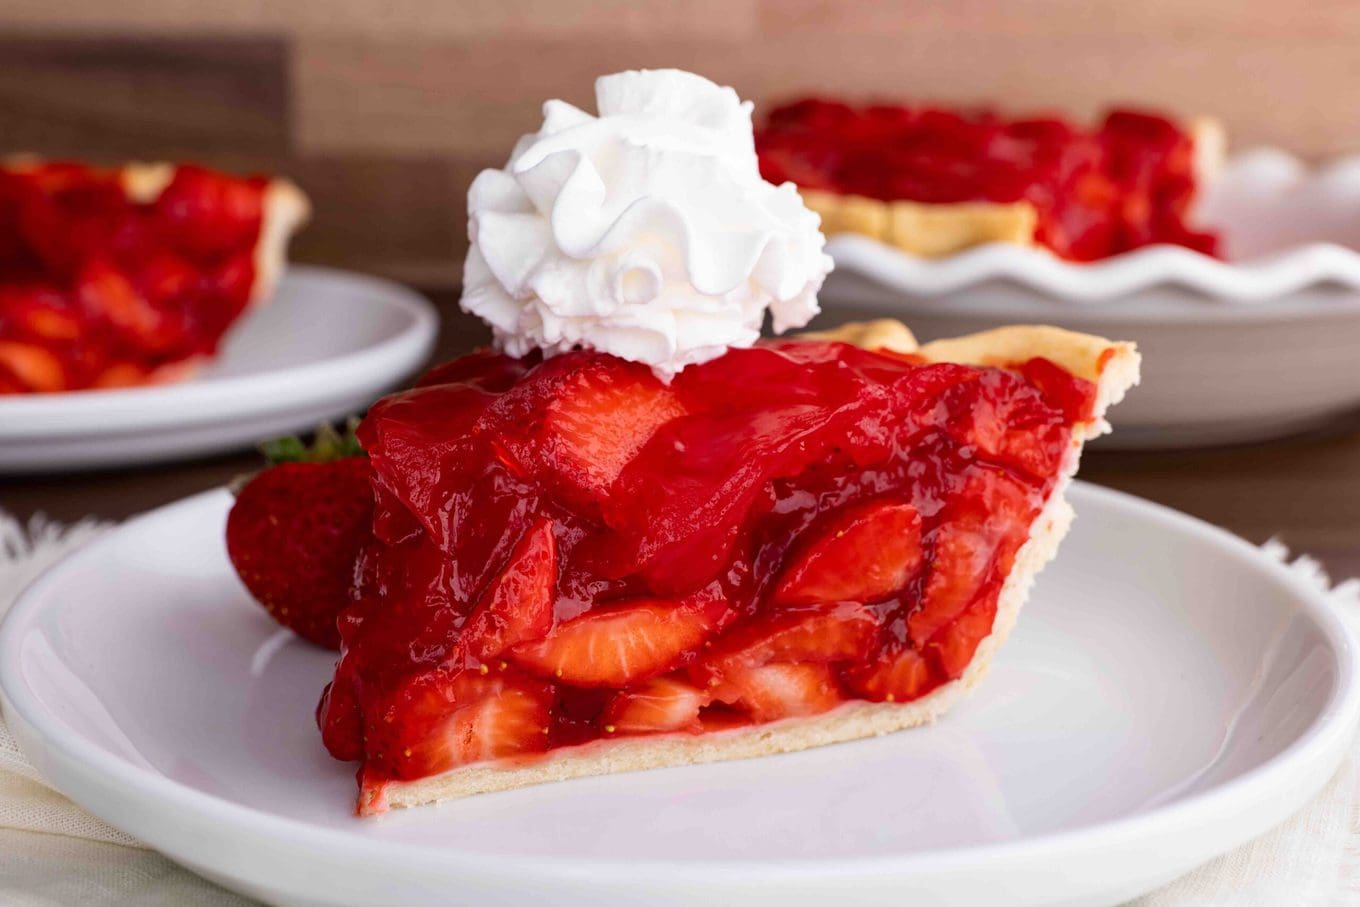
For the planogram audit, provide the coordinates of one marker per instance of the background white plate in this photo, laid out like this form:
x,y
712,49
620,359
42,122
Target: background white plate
x,y
327,345
1258,346
1169,693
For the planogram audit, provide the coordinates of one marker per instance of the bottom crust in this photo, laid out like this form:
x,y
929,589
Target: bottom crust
x,y
853,720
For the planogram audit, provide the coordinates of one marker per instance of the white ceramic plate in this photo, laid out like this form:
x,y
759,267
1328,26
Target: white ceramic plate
x,y
1169,693
1255,347
328,344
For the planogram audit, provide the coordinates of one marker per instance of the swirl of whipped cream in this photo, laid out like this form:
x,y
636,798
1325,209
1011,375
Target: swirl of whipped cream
x,y
646,231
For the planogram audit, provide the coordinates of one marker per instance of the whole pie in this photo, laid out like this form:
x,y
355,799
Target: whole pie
x,y
577,568
933,181
130,275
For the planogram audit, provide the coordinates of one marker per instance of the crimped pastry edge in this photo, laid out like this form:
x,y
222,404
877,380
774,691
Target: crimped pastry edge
x,y
286,209
1115,369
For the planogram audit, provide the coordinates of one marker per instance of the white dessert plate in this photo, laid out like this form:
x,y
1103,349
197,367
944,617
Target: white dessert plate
x,y
327,345
1169,693
1257,346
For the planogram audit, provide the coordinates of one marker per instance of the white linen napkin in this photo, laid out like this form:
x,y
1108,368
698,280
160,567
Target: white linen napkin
x,y
54,854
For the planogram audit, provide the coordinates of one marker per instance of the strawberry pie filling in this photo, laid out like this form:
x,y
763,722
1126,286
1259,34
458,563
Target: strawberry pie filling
x,y
1125,184
99,289
569,550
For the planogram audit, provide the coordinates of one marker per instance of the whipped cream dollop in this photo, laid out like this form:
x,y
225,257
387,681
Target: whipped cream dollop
x,y
645,231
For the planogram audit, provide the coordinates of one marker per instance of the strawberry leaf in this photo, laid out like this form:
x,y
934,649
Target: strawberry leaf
x,y
289,449
328,444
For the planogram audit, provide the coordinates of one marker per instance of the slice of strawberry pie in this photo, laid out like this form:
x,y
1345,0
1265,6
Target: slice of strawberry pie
x,y
640,536
578,569
130,275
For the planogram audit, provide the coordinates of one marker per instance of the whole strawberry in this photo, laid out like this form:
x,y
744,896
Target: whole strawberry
x,y
296,529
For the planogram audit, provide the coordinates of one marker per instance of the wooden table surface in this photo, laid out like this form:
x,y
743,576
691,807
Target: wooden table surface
x,y
1305,490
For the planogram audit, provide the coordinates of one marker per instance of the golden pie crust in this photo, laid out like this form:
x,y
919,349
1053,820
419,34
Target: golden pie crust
x,y
1113,366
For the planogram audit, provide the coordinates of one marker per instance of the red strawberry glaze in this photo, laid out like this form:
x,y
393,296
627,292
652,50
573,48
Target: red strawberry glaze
x,y
100,290
685,566
1098,192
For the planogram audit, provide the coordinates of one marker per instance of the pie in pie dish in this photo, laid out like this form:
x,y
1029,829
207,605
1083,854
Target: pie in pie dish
x,y
130,275
934,182
577,568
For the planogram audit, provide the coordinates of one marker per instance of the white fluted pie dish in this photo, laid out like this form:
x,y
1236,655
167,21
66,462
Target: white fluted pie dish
x,y
1258,345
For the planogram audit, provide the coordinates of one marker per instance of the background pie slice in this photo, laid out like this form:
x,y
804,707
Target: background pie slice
x,y
130,275
533,606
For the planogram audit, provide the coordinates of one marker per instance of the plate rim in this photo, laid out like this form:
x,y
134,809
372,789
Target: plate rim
x,y
956,281
193,403
1314,754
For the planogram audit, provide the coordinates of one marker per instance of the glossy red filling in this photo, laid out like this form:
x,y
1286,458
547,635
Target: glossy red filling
x,y
1125,184
100,290
570,550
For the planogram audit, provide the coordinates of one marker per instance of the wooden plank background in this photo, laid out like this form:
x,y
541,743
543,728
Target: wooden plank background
x,y
384,111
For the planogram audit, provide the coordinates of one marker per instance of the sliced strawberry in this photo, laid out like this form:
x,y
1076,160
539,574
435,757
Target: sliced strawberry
x,y
864,554
121,374
660,705
165,277
601,417
1014,422
373,785
435,722
970,546
232,280
64,224
955,645
105,292
620,646
207,214
518,605
898,674
775,691
961,560
38,312
35,368
509,720
828,631
1074,397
